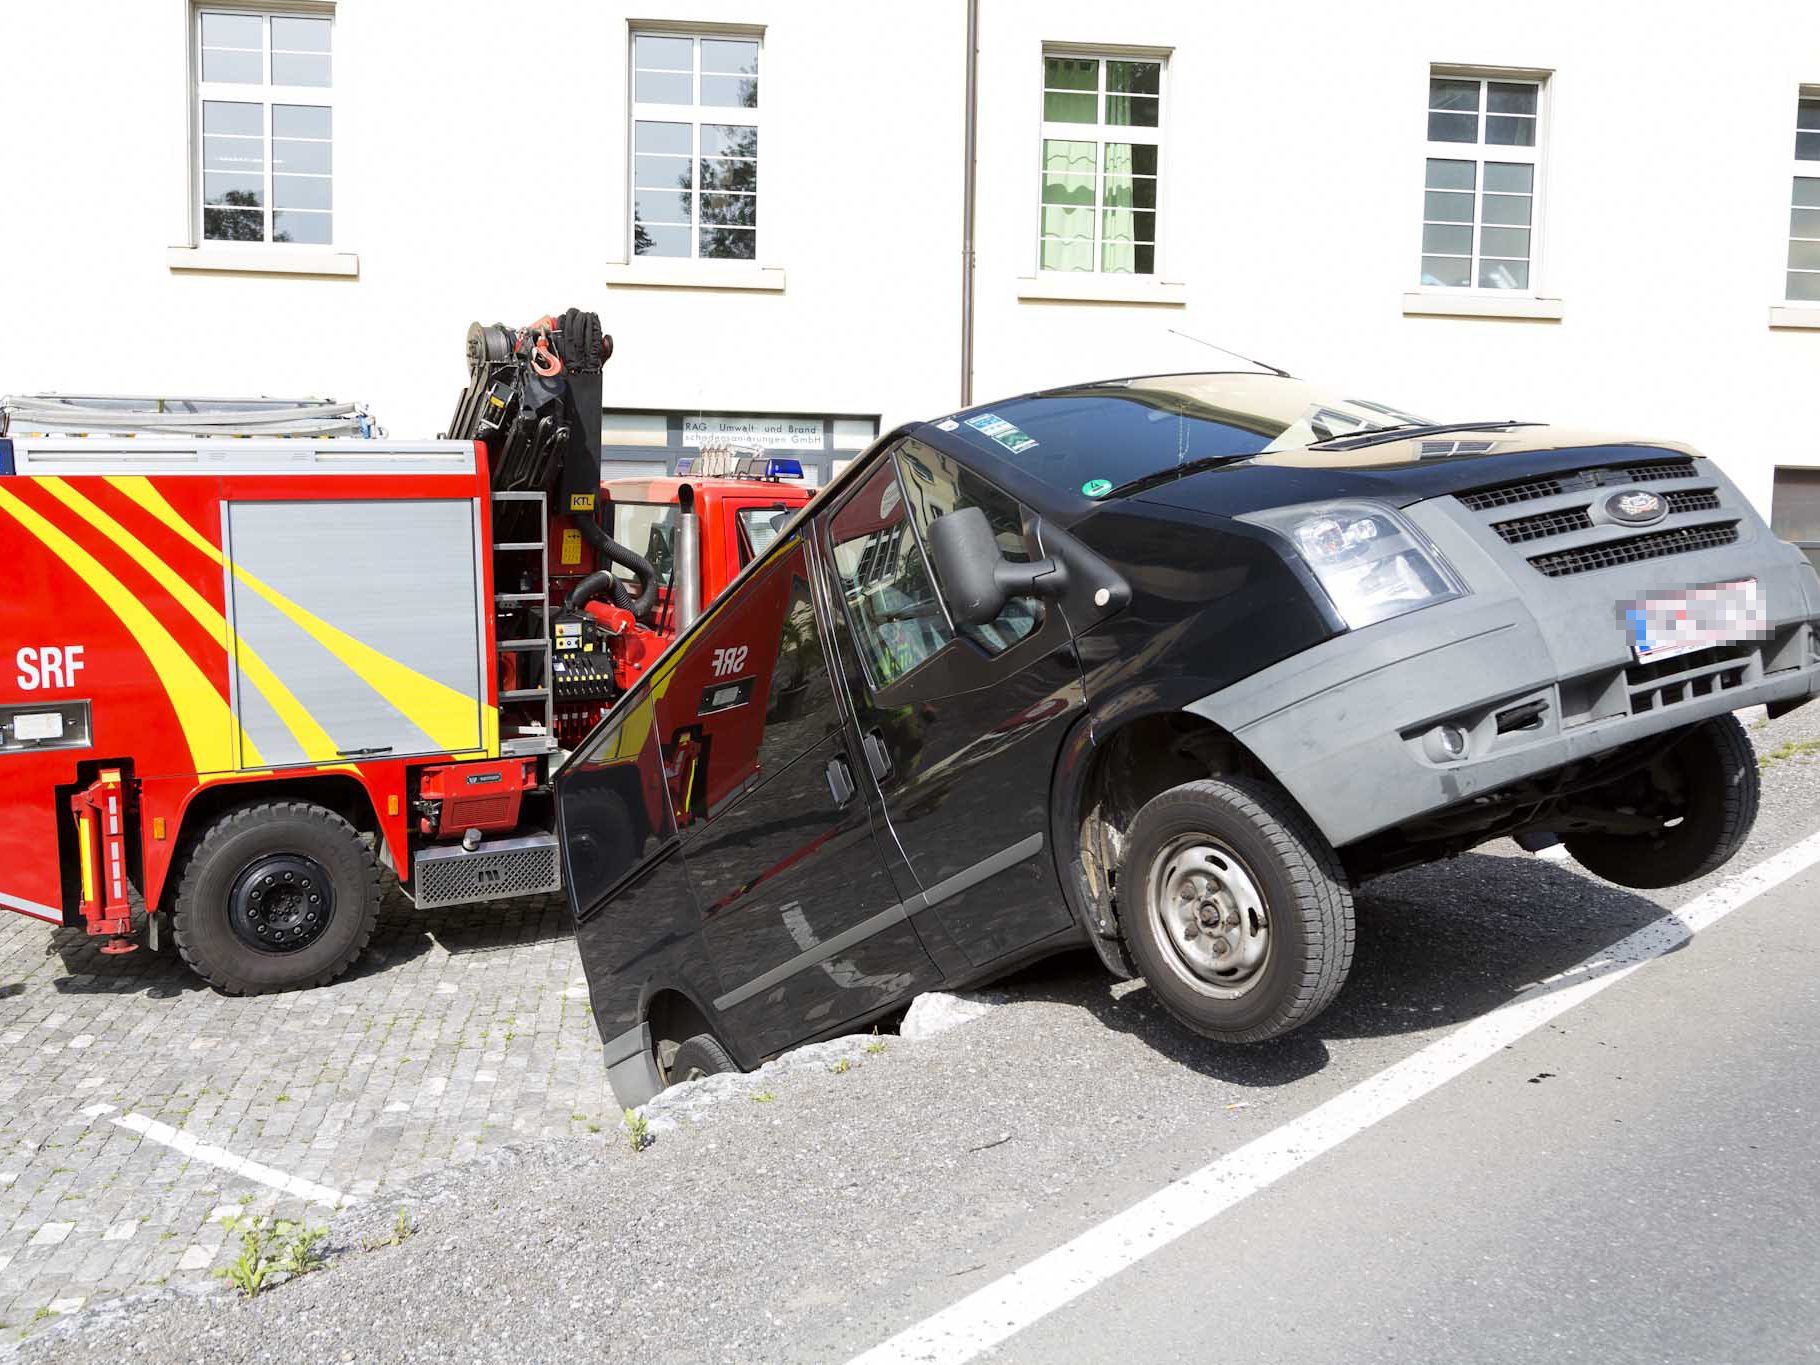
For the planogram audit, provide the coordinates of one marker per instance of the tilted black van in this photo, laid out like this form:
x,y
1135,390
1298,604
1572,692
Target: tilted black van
x,y
1166,665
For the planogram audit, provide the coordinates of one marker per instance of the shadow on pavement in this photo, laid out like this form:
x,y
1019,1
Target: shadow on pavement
x,y
89,971
402,934
1436,946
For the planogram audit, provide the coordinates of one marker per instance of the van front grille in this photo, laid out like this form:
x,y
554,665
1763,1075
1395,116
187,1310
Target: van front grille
x,y
1614,476
1692,500
1653,545
1544,524
1686,677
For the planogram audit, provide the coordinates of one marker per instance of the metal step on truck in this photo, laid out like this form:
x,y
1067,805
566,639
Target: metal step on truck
x,y
251,653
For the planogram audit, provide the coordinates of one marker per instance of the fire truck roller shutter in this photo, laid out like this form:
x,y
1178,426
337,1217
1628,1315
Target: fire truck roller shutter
x,y
370,612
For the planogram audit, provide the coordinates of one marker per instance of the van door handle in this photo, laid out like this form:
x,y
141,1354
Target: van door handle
x,y
878,757
840,780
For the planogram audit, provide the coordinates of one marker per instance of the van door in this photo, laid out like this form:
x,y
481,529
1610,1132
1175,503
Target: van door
x,y
799,914
958,728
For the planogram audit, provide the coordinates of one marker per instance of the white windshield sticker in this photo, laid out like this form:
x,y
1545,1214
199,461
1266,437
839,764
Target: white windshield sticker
x,y
994,427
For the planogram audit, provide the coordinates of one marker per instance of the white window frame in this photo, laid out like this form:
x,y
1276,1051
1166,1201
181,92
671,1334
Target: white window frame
x,y
1479,153
694,115
1802,169
1100,133
265,95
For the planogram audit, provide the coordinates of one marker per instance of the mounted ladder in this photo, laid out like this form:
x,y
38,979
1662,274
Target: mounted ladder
x,y
59,414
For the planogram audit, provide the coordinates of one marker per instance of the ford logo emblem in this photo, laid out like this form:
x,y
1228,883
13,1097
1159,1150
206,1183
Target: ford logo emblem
x,y
1636,507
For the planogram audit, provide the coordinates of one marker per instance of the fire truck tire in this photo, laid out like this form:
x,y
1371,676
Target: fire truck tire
x,y
275,897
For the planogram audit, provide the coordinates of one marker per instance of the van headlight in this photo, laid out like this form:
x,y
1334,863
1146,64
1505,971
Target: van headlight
x,y
1371,562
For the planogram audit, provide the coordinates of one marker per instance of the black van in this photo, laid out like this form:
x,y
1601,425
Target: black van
x,y
1166,665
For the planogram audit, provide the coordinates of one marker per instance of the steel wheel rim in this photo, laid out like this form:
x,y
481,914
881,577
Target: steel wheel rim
x,y
281,903
1210,916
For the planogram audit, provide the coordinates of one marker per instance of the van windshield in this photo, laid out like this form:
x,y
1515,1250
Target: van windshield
x,y
1092,438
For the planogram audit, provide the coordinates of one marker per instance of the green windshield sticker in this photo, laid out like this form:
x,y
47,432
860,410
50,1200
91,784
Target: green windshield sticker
x,y
996,428
1097,488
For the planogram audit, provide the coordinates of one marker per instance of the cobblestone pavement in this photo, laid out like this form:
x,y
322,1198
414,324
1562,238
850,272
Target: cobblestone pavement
x,y
460,1031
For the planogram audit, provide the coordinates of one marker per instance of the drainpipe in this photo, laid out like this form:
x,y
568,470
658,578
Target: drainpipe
x,y
967,199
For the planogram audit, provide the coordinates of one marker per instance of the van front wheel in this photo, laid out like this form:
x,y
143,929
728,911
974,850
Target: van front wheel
x,y
1705,789
1235,909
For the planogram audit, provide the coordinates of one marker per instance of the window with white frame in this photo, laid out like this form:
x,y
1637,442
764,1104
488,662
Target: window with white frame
x,y
1480,191
695,145
1102,138
1804,209
265,125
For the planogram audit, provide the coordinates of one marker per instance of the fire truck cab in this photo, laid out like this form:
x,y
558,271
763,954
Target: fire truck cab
x,y
243,676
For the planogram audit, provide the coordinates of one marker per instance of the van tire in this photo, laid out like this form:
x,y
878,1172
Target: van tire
x,y
1717,769
220,907
1239,850
696,1057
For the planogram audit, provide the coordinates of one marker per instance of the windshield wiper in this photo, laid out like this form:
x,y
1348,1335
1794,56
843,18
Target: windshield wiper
x,y
1378,435
1172,473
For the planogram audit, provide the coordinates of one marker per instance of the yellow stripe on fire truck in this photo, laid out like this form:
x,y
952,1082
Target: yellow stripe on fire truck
x,y
441,712
208,726
310,736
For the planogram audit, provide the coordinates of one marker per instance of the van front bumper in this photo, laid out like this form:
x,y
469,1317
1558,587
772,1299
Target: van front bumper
x,y
1535,672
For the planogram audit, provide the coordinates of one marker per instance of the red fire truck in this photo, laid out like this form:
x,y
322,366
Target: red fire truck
x,y
240,676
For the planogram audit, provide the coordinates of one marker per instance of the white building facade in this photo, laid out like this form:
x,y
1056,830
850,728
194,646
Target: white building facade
x,y
1601,214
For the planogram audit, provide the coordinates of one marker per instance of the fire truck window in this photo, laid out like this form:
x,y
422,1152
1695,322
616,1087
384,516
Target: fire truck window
x,y
897,618
648,529
938,484
758,527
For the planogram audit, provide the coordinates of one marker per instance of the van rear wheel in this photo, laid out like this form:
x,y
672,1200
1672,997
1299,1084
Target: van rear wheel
x,y
274,897
696,1057
1235,909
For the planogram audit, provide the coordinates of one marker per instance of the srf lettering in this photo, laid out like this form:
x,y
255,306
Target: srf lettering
x,y
48,666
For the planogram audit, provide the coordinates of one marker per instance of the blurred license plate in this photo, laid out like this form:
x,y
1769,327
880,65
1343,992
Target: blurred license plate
x,y
1676,623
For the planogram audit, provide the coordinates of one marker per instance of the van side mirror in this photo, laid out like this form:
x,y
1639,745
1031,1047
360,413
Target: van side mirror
x,y
975,574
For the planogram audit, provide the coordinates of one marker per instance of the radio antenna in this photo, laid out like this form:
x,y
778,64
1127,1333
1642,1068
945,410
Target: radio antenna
x,y
1224,350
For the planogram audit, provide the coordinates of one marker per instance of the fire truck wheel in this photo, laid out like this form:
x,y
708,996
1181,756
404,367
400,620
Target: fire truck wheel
x,y
697,1057
275,897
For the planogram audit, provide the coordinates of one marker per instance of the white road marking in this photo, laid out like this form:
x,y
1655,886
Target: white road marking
x,y
196,1258
121,1232
1013,1302
197,1150
51,1234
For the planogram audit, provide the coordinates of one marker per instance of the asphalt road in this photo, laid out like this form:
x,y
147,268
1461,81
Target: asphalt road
x,y
1637,1182
1633,1180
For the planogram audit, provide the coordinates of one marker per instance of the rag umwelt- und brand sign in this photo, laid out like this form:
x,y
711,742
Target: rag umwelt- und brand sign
x,y
768,432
